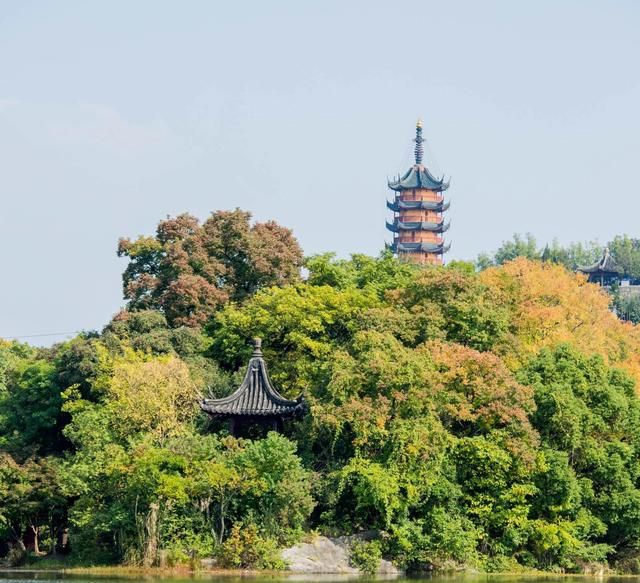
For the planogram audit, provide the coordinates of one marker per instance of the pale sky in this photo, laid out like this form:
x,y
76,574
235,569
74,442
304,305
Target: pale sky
x,y
114,114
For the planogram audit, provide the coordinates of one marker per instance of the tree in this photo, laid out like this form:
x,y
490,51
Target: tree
x,y
300,324
279,496
31,408
32,503
587,414
550,305
148,395
520,246
455,304
188,270
361,271
572,256
626,252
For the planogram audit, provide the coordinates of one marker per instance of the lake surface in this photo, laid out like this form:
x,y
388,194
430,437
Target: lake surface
x,y
25,576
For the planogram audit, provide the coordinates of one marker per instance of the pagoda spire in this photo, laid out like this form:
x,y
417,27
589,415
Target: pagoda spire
x,y
419,149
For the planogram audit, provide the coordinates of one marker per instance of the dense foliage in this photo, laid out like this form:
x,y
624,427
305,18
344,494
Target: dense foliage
x,y
485,418
572,256
188,270
624,249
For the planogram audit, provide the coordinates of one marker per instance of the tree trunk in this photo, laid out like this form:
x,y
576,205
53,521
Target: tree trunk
x,y
151,544
36,546
222,526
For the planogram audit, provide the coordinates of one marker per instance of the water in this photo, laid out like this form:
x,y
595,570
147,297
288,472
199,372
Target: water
x,y
26,576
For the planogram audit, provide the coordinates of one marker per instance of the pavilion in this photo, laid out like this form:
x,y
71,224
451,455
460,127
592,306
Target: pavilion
x,y
605,271
255,401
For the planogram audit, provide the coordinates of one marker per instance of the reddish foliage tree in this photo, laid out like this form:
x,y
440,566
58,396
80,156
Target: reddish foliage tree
x,y
189,269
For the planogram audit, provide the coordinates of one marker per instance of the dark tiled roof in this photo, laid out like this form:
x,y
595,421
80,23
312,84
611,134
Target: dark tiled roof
x,y
398,205
396,226
418,176
417,247
256,396
606,264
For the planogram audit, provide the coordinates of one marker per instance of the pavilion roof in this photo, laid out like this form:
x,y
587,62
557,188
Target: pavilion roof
x,y
606,264
256,396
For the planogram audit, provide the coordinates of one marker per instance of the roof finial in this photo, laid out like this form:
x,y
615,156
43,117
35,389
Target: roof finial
x,y
257,347
419,150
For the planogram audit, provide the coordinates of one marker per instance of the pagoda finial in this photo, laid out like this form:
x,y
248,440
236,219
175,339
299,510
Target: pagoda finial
x,y
257,347
419,150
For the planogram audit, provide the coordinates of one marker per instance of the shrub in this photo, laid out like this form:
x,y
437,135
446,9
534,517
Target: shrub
x,y
366,555
247,549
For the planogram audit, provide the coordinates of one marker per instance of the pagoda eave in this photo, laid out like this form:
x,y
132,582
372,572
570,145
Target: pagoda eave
x,y
398,226
398,205
418,177
434,248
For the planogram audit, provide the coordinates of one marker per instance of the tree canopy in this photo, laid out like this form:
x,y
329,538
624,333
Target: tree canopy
x,y
480,417
188,270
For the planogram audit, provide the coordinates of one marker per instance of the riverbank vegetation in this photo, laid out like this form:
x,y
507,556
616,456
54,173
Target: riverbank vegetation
x,y
485,418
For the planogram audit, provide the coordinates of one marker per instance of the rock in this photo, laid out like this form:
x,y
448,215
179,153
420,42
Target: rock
x,y
329,555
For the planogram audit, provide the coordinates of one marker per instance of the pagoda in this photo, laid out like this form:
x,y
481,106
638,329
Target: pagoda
x,y
418,206
255,401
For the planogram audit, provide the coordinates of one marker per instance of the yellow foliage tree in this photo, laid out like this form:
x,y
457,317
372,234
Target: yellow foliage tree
x,y
149,394
551,305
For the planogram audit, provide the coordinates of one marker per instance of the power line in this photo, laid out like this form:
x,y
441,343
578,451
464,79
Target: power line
x,y
19,337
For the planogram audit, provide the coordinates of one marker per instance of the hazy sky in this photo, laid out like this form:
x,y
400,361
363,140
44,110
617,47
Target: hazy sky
x,y
114,114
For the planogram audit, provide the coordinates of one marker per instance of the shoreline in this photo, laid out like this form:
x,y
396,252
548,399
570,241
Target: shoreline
x,y
124,571
183,572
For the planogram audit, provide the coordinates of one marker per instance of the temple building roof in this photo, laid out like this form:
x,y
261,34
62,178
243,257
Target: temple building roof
x,y
256,396
606,264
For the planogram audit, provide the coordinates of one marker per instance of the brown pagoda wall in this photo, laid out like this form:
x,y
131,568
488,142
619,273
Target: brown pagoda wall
x,y
421,194
420,215
421,258
419,237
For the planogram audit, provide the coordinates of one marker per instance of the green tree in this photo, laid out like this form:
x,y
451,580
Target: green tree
x,y
589,412
626,251
520,246
31,409
301,325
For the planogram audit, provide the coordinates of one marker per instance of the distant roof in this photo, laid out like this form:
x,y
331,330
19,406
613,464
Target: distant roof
x,y
256,396
606,264
418,176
